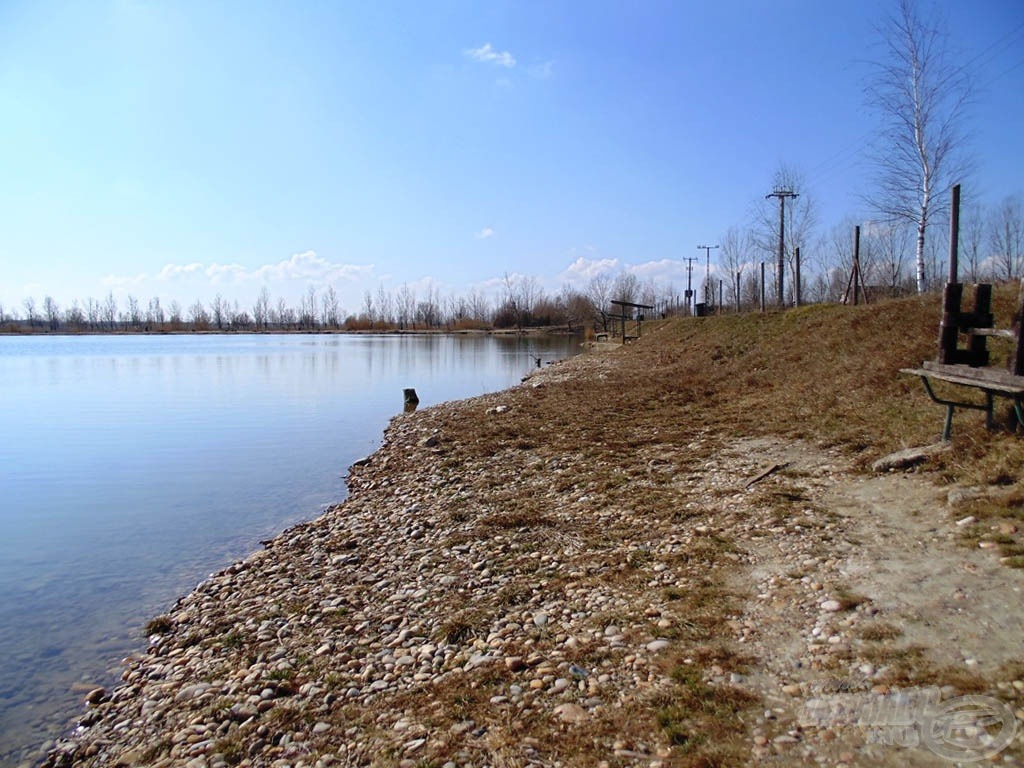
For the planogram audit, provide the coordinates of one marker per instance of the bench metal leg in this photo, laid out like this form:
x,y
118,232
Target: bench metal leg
x,y
951,405
947,428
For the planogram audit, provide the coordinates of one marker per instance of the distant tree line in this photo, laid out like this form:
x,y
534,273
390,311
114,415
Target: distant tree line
x,y
522,303
991,249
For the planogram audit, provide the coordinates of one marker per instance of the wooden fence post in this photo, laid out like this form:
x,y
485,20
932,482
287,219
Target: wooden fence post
x,y
1017,361
762,286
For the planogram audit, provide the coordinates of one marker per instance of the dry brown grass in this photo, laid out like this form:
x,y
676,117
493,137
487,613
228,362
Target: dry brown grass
x,y
620,440
824,373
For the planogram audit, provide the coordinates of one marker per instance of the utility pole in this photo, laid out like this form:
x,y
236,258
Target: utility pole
x,y
782,194
689,280
708,292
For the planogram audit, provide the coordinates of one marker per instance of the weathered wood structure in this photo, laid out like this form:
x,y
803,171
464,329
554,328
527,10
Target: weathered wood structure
x,y
968,366
623,317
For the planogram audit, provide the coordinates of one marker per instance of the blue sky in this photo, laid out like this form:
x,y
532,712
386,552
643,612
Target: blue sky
x,y
181,149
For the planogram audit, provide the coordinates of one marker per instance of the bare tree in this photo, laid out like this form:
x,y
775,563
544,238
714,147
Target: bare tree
x,y
920,94
110,310
578,308
1006,238
155,313
74,317
330,311
428,311
30,311
308,311
134,312
93,313
626,287
972,236
385,306
198,316
52,313
531,293
885,247
734,259
261,309
599,291
406,306
479,306
219,311
368,308
239,317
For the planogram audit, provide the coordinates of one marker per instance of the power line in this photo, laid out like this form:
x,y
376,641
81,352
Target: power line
x,y
781,193
1003,42
707,278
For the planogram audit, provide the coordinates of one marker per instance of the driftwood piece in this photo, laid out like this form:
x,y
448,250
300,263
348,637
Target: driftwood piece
x,y
770,471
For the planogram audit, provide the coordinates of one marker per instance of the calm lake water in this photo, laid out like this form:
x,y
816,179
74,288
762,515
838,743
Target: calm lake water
x,y
131,467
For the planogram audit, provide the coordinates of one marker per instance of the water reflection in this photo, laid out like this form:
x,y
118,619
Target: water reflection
x,y
132,467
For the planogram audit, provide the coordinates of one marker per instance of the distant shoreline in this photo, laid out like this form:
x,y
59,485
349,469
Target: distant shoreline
x,y
540,331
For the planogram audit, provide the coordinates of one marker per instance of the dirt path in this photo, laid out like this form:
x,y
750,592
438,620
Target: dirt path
x,y
918,608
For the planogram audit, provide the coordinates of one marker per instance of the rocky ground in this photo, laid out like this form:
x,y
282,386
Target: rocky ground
x,y
502,589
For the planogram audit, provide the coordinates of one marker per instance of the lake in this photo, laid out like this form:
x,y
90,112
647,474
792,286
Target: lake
x,y
132,467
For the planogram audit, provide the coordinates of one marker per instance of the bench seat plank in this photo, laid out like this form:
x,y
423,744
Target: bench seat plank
x,y
977,383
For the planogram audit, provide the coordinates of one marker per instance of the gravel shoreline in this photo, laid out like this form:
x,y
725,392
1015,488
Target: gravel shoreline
x,y
269,661
514,581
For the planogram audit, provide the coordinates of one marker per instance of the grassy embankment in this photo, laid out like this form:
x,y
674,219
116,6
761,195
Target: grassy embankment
x,y
823,374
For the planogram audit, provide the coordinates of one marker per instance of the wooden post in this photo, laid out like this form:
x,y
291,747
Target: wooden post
x,y
762,286
977,353
856,263
720,306
949,326
1017,359
796,284
411,399
954,234
738,292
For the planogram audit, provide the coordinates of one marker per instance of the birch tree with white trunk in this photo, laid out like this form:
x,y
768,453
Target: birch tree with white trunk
x,y
920,94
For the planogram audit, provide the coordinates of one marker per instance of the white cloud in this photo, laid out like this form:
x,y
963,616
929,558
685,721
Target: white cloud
x,y
490,284
583,269
172,271
220,272
306,266
486,54
663,269
484,233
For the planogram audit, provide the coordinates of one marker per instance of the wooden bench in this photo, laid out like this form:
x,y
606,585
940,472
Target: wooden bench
x,y
993,383
967,366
